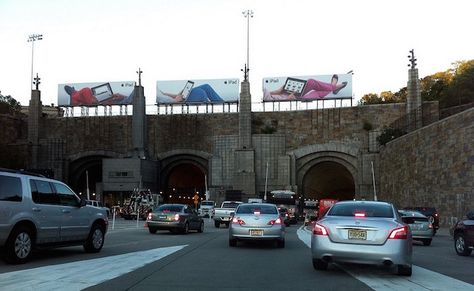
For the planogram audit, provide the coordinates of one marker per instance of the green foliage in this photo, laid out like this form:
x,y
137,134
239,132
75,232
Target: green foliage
x,y
268,129
9,105
452,87
389,134
367,125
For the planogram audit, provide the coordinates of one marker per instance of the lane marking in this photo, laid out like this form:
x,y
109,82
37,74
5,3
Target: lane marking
x,y
82,274
379,279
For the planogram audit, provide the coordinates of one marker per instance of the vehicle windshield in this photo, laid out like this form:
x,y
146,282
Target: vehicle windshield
x,y
230,205
366,210
169,208
262,209
207,203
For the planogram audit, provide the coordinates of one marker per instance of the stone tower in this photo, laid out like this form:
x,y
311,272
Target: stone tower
x,y
244,171
35,110
414,105
139,130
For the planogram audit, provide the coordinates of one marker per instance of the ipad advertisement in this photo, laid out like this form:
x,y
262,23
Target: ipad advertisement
x,y
308,88
212,91
94,94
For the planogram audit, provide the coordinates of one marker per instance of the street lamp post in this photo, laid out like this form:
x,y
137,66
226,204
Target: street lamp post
x,y
247,14
32,38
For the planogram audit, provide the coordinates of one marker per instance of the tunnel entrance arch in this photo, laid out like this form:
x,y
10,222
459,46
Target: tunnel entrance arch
x,y
183,175
328,179
86,171
327,171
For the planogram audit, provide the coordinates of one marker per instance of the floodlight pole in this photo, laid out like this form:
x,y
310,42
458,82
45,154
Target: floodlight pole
x,y
32,38
247,14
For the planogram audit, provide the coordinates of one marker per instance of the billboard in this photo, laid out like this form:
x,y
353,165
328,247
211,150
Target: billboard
x,y
197,91
307,88
93,94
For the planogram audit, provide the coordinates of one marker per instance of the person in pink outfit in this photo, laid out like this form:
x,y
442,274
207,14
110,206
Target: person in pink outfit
x,y
314,90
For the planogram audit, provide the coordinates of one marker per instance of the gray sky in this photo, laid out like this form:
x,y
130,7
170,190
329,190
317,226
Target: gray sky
x,y
99,41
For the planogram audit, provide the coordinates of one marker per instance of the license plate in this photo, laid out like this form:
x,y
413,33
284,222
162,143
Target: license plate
x,y
162,217
357,234
256,232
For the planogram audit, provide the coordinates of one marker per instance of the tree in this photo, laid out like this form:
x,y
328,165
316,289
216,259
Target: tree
x,y
8,105
371,98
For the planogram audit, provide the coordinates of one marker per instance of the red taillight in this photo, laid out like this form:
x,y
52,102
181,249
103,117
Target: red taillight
x,y
176,217
320,229
237,220
399,233
275,221
430,225
359,214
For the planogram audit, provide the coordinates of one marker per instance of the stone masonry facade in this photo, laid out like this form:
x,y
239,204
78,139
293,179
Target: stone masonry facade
x,y
432,166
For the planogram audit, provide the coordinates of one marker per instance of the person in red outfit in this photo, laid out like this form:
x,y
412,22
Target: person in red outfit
x,y
81,97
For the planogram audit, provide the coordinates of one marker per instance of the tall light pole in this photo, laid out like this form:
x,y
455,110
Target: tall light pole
x,y
247,14
32,38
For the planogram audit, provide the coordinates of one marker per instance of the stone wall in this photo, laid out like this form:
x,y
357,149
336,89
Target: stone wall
x,y
433,166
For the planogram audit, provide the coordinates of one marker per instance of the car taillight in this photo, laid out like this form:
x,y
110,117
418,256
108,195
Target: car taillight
x,y
274,221
150,215
430,225
176,217
320,229
359,214
399,233
237,220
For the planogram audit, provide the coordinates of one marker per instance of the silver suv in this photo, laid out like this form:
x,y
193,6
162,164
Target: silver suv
x,y
37,212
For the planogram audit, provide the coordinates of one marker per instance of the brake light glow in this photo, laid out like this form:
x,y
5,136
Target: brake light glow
x,y
275,221
150,215
256,212
430,225
399,233
359,214
176,217
237,220
320,229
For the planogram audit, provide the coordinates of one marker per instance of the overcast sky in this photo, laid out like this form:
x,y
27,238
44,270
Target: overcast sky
x,y
102,40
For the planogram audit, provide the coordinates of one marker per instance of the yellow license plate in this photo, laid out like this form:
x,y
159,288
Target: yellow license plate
x,y
357,234
256,232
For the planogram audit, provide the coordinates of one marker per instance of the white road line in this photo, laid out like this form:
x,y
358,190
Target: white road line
x,y
81,274
378,279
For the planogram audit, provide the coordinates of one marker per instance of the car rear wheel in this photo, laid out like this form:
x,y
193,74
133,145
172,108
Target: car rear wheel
x,y
319,264
404,270
201,227
281,243
232,242
427,242
185,229
152,229
95,241
19,246
460,245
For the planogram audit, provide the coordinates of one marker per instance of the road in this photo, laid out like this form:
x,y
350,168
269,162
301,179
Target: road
x,y
134,259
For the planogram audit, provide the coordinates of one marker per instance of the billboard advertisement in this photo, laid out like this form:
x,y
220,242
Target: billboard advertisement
x,y
197,91
307,88
93,94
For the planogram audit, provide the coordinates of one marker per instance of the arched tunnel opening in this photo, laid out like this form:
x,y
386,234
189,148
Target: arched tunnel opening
x,y
328,180
86,173
183,182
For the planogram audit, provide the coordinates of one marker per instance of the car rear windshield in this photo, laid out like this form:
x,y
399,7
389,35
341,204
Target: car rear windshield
x,y
230,205
207,203
357,209
169,208
262,209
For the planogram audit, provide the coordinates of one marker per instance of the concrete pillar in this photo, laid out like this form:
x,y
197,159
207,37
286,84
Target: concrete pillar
x,y
414,105
35,110
139,131
245,117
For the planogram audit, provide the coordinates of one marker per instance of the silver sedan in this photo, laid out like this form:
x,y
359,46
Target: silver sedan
x,y
421,228
366,232
256,222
